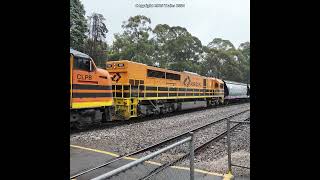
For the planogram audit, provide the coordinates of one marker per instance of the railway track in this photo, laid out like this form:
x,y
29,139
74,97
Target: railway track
x,y
169,140
110,124
197,150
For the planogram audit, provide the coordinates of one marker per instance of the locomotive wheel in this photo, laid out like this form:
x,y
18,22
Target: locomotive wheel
x,y
106,115
78,126
157,112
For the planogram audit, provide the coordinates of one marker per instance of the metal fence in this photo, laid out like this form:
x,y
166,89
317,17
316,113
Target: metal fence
x,y
229,145
142,168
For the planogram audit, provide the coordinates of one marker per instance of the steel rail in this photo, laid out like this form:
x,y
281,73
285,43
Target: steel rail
x,y
196,150
158,144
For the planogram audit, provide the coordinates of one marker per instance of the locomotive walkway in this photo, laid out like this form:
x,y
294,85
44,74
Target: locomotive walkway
x,y
83,158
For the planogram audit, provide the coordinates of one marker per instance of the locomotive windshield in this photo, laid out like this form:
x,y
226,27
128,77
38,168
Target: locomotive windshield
x,y
81,63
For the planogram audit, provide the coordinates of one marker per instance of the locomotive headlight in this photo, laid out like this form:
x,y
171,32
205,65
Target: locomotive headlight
x,y
121,65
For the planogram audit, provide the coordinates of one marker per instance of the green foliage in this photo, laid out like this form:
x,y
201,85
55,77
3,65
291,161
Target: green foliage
x,y
134,43
95,46
176,48
221,44
98,53
222,60
164,46
97,27
78,25
167,47
244,48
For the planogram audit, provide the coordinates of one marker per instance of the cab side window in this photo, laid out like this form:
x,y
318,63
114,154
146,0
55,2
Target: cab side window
x,y
81,64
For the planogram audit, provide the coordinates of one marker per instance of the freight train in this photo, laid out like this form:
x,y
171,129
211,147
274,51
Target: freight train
x,y
130,89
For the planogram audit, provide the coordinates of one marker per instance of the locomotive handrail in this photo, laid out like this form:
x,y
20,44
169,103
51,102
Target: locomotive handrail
x,y
127,90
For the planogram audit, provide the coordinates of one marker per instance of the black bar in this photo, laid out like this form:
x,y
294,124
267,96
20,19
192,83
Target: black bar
x,y
91,95
126,95
163,94
163,89
172,89
151,94
151,88
91,87
141,87
189,94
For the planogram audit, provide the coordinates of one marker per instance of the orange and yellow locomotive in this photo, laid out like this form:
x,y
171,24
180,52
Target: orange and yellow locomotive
x,y
140,90
130,89
90,92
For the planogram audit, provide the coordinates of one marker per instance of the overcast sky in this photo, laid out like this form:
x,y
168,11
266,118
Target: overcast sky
x,y
205,19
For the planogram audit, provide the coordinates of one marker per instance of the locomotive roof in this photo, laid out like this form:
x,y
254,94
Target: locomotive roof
x,y
219,80
193,73
150,67
79,54
125,60
168,70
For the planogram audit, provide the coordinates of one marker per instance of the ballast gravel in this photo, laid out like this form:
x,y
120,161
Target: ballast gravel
x,y
132,137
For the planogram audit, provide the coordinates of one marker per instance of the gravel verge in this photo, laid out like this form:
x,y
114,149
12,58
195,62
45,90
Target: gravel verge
x,y
128,138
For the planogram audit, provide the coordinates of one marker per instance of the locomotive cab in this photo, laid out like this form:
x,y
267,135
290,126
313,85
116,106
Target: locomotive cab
x,y
91,91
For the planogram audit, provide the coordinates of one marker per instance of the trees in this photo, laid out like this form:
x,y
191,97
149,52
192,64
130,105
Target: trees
x,y
221,44
97,27
244,48
78,25
218,56
88,37
134,43
224,61
162,36
164,46
168,47
176,48
95,45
